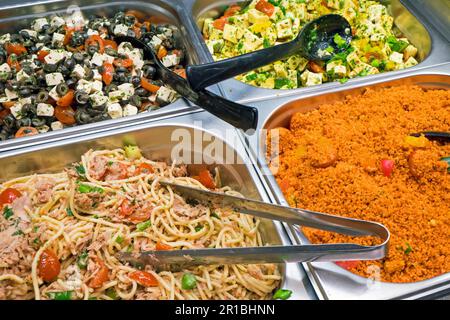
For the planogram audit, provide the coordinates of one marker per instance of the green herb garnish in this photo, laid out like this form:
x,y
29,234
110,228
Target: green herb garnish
x,y
408,249
397,45
143,225
63,295
85,188
69,212
82,260
282,294
7,213
281,82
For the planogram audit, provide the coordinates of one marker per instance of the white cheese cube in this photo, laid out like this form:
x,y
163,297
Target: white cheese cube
x,y
84,85
97,86
127,90
108,58
284,29
31,33
98,99
230,33
170,60
39,23
57,22
166,94
54,56
115,96
56,125
129,110
136,56
5,68
58,39
97,59
91,32
5,38
411,62
115,110
120,30
155,42
54,79
54,94
310,78
97,75
16,111
396,57
22,76
79,71
11,94
44,110
375,12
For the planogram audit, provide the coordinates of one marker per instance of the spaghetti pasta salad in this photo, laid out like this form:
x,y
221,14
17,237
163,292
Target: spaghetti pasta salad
x,y
60,233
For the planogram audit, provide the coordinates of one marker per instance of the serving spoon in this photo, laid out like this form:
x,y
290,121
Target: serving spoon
x,y
316,42
238,115
439,136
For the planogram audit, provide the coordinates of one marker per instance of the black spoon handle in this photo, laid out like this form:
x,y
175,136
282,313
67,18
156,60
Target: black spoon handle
x,y
204,75
442,137
241,116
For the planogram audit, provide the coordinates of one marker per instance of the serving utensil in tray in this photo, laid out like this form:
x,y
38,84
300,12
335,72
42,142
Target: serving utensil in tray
x,y
179,259
240,116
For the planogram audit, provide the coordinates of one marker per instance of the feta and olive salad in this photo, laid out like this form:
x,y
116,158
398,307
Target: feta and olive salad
x,y
376,46
66,71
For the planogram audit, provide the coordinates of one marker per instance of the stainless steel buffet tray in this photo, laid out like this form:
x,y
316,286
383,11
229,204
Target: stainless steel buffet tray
x,y
157,141
329,280
15,15
433,49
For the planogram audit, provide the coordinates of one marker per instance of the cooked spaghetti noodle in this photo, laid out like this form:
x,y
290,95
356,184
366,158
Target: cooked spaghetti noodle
x,y
59,234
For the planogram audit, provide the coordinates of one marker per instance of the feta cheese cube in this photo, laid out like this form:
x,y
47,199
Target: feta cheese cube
x,y
310,78
44,110
166,94
58,39
170,60
39,23
115,110
54,94
284,29
98,99
5,38
5,68
85,86
129,110
22,76
396,57
127,89
136,56
57,22
16,111
91,32
31,33
97,59
120,30
11,94
155,42
115,96
56,125
54,56
43,129
411,62
230,33
97,75
54,79
97,86
79,71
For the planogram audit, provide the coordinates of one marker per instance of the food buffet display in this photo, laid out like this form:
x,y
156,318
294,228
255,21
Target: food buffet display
x,y
346,137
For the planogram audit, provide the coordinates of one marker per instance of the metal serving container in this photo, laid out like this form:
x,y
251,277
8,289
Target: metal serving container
x,y
433,48
329,280
16,15
157,141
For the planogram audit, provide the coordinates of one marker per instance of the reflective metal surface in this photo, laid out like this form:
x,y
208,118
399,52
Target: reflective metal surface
x,y
156,139
329,280
433,49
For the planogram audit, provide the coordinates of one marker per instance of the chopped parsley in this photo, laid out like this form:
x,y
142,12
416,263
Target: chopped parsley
x,y
251,77
7,213
214,215
119,239
85,188
408,249
282,294
143,225
397,45
82,260
63,295
266,43
69,212
340,42
18,232
80,170
281,82
198,228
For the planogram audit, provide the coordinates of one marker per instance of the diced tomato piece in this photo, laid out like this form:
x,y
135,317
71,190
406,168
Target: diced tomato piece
x,y
145,168
126,208
65,115
387,166
110,43
314,67
13,63
147,85
145,279
9,195
26,131
107,74
162,246
42,54
162,52
220,23
181,72
347,264
101,276
67,99
126,63
206,179
8,104
95,39
232,10
265,7
15,48
49,266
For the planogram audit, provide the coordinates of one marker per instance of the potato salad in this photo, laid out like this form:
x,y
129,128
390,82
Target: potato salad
x,y
64,71
377,46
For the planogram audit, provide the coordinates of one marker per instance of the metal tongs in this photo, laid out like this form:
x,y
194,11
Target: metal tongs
x,y
175,260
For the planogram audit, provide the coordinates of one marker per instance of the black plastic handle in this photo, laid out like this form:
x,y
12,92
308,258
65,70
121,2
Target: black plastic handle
x,y
204,75
241,116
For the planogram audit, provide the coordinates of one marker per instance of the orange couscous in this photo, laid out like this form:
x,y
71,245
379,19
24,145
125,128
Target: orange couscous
x,y
356,158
